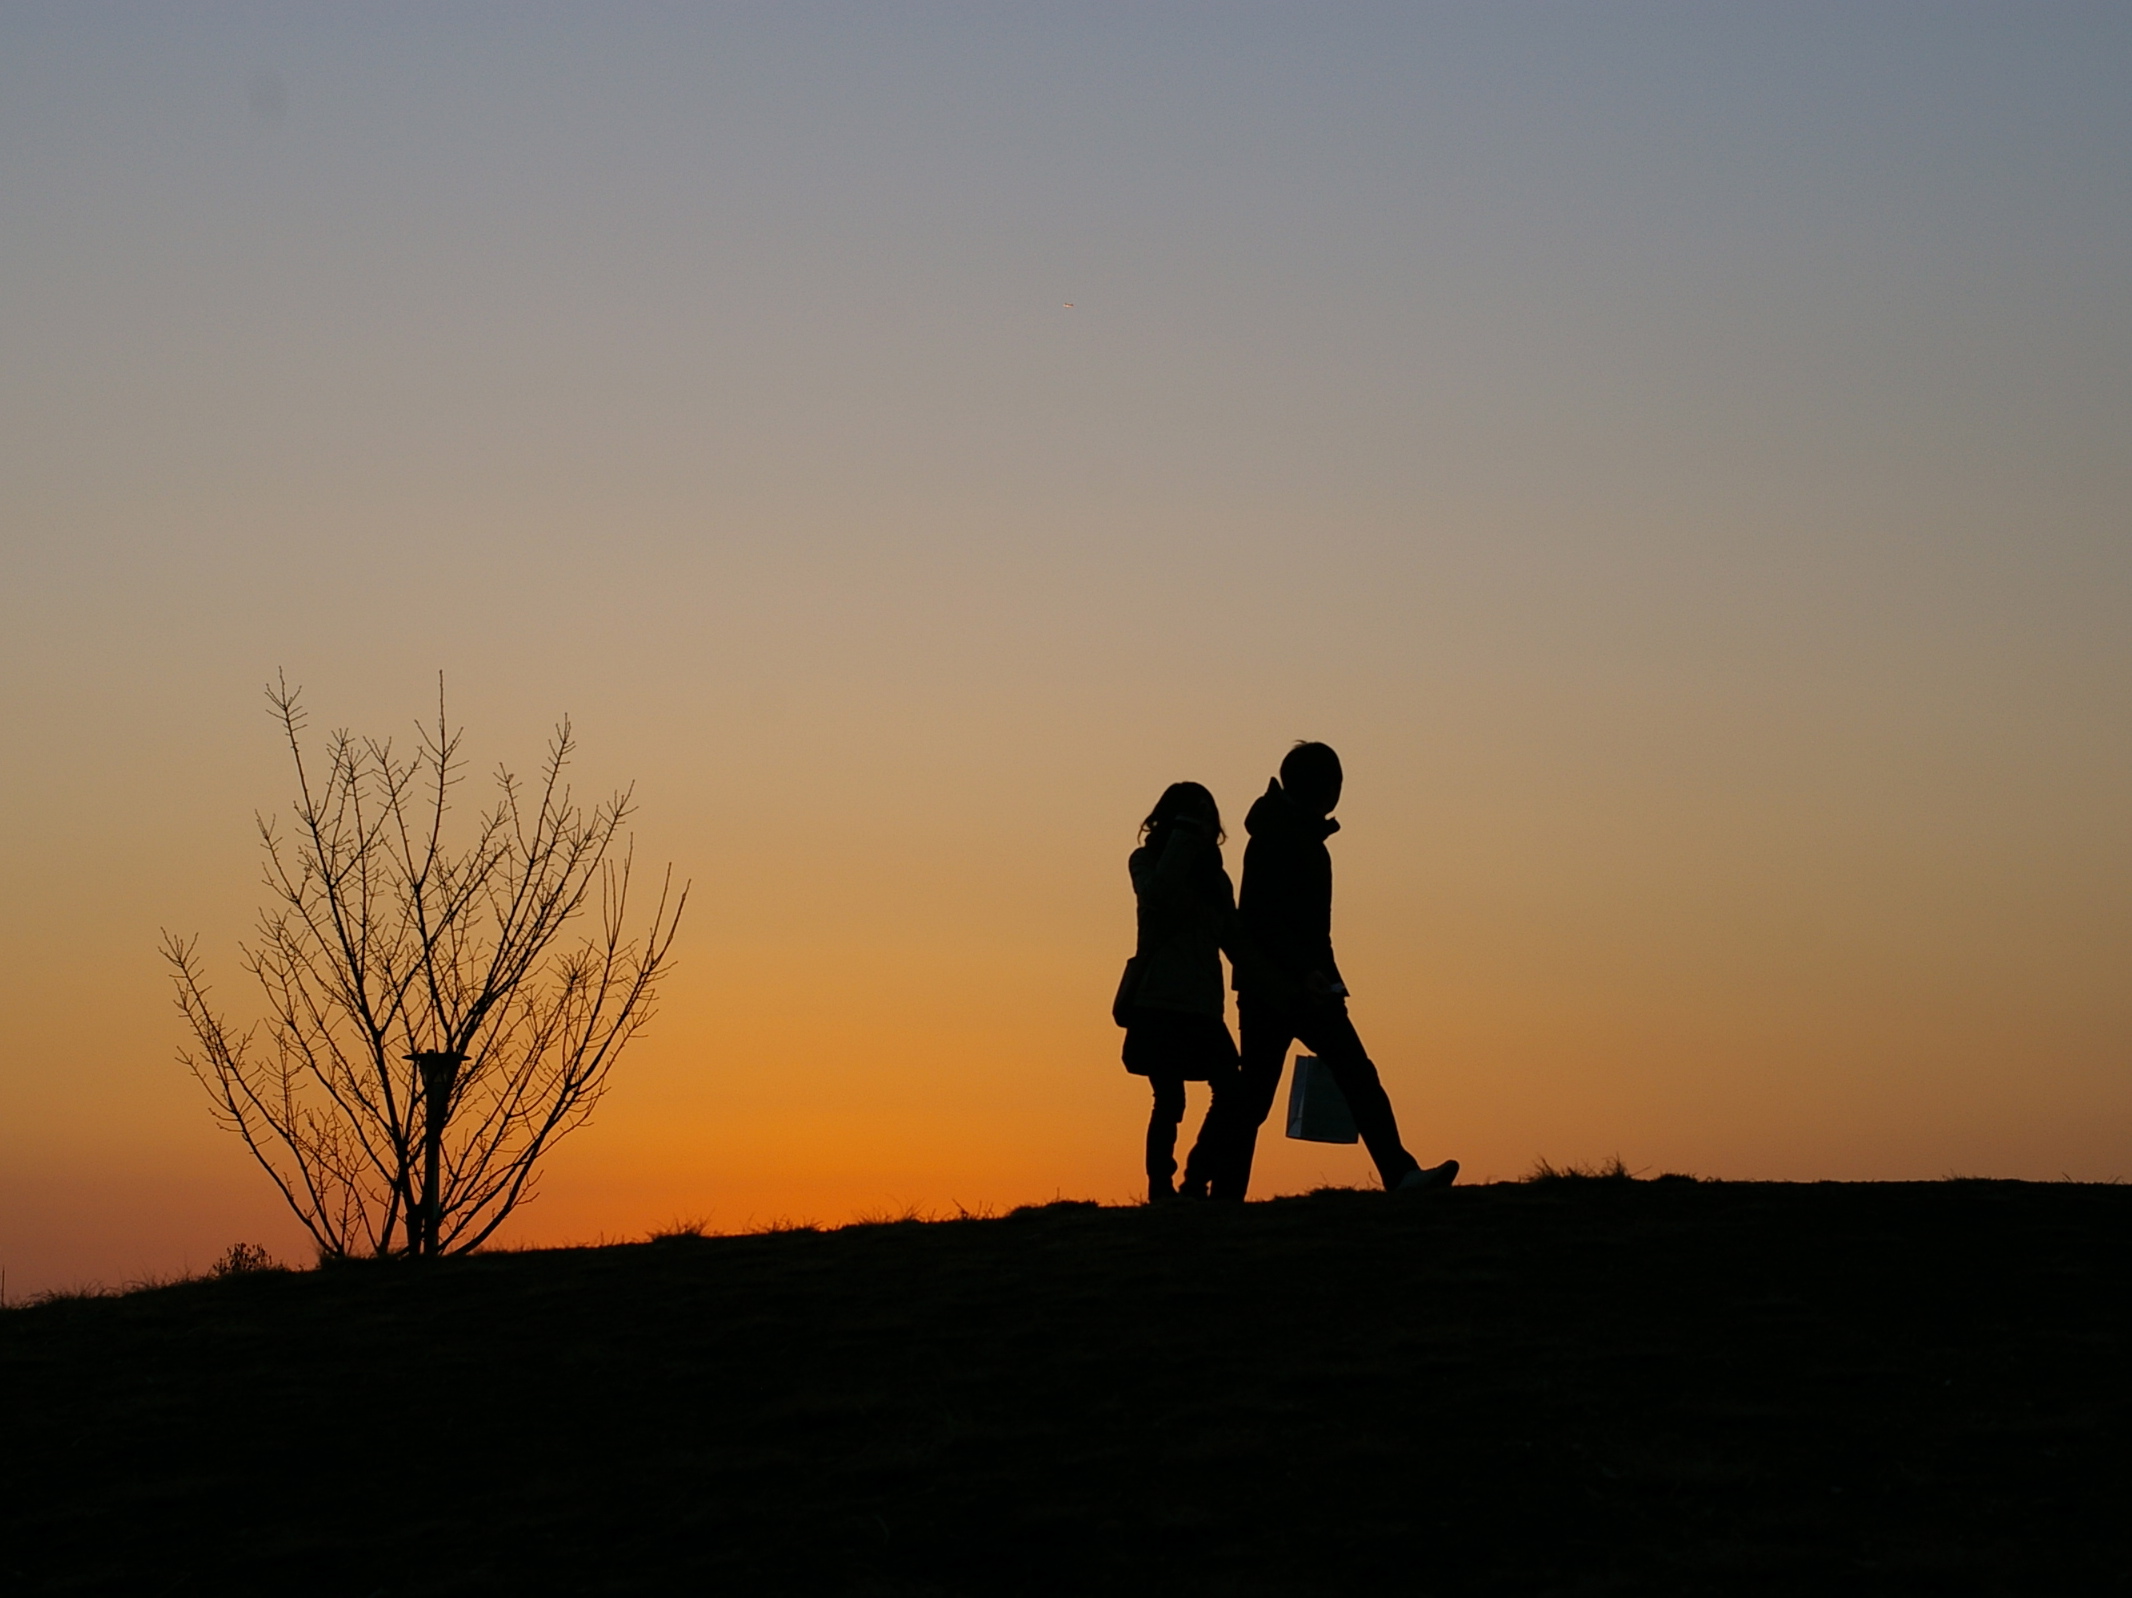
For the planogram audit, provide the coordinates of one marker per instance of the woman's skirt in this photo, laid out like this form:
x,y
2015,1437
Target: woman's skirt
x,y
1179,1043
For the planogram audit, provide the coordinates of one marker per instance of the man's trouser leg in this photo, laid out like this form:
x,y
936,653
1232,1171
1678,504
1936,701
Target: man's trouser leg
x,y
1333,1039
1265,1038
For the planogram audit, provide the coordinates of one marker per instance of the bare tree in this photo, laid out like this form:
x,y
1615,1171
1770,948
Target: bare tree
x,y
428,1035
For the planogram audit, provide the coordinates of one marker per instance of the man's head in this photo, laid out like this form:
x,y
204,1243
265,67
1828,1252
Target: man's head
x,y
1311,776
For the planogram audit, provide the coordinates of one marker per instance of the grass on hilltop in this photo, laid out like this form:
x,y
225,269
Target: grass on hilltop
x,y
1579,1384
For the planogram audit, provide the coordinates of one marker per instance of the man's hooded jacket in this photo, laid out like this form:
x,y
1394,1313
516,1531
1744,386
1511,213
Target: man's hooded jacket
x,y
1286,902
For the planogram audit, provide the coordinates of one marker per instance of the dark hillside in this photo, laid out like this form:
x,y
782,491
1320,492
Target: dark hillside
x,y
1564,1387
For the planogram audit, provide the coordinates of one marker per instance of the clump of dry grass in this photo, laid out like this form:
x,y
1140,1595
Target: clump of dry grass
x,y
1611,1170
779,1226
679,1229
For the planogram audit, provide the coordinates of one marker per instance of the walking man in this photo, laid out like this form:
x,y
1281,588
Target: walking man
x,y
1290,987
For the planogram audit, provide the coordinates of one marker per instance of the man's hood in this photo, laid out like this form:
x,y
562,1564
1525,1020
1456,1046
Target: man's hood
x,y
1273,814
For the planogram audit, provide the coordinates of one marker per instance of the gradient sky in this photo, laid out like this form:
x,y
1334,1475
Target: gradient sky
x,y
1676,453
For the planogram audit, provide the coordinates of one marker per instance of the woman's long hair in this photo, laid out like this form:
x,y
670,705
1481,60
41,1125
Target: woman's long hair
x,y
1155,831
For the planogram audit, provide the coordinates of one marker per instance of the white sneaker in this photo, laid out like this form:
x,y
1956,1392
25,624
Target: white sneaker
x,y
1425,1181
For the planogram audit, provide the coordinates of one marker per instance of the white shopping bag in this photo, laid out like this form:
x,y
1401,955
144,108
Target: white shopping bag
x,y
1317,1110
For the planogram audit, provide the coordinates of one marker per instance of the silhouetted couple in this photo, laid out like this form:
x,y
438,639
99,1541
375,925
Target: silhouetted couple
x,y
1288,987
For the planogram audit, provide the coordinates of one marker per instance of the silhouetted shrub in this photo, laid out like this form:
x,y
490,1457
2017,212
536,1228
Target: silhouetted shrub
x,y
429,1036
242,1259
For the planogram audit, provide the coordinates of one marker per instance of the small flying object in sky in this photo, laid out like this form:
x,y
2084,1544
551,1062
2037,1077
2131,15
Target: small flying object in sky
x,y
1068,304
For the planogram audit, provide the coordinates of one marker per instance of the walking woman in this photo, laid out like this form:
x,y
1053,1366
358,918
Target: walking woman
x,y
1172,1004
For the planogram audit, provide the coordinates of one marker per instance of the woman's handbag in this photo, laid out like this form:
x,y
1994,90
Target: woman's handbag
x,y
1121,1008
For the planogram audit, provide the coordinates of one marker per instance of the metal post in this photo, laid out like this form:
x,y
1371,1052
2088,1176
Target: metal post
x,y
440,1069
